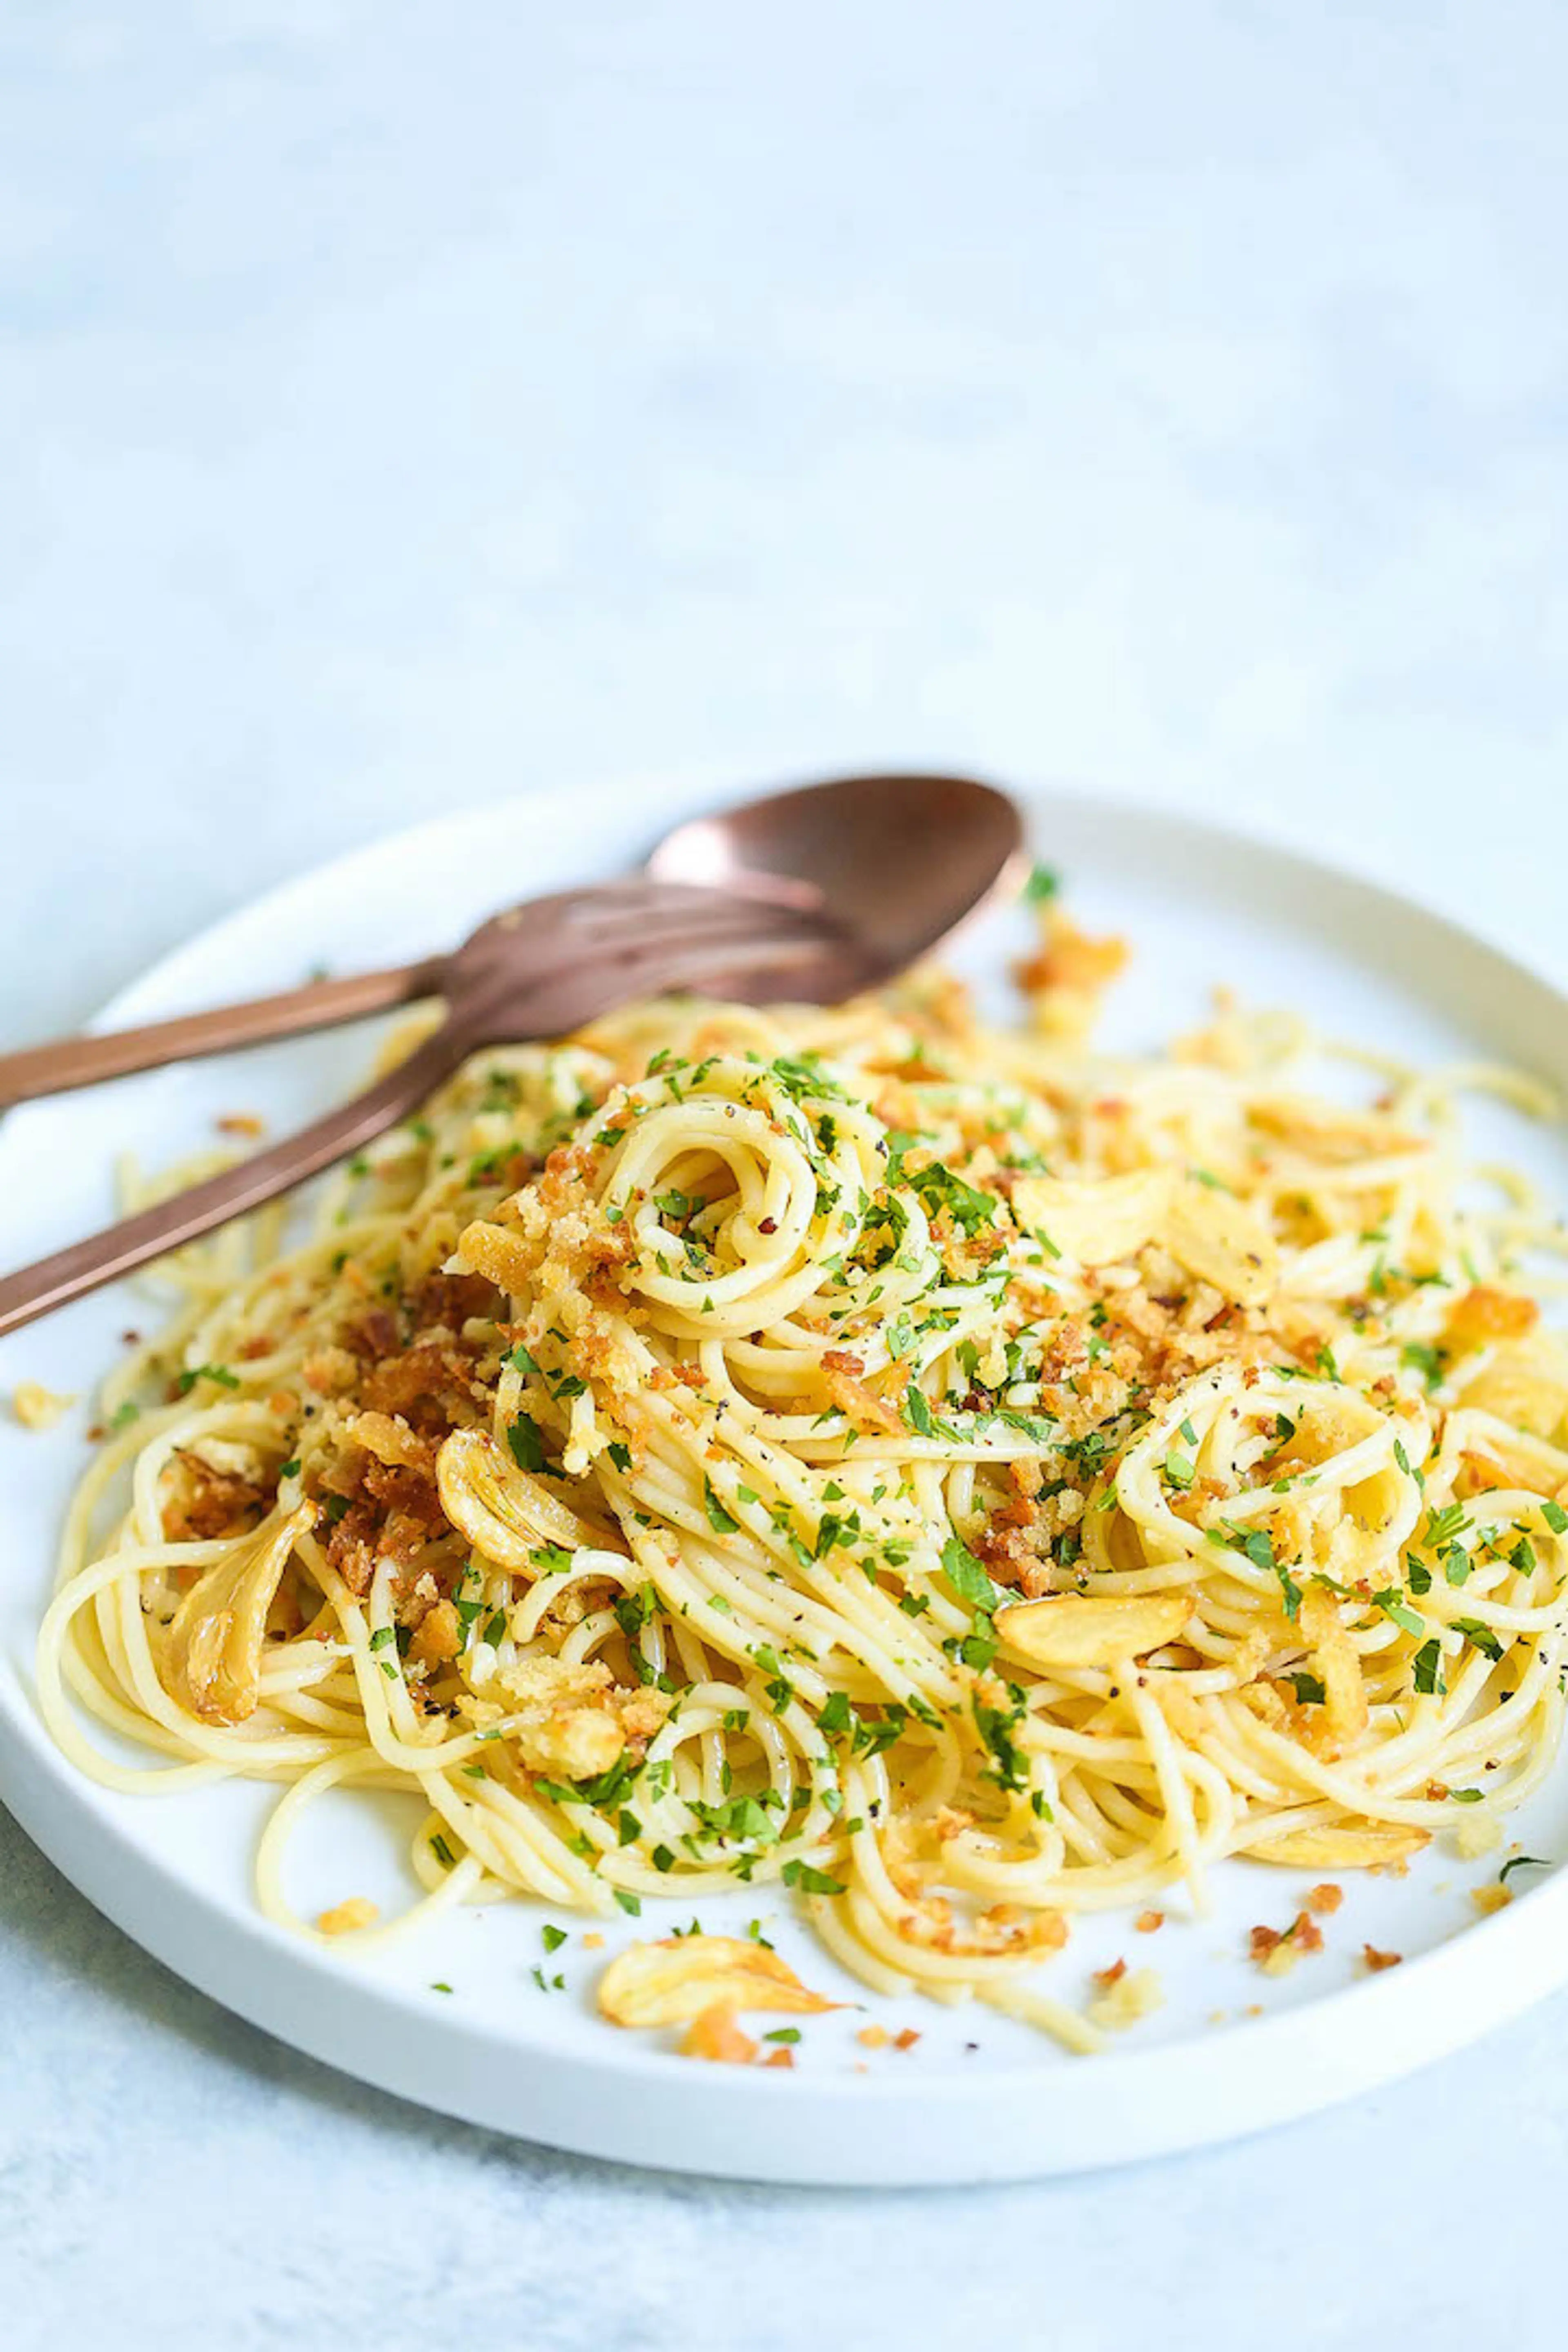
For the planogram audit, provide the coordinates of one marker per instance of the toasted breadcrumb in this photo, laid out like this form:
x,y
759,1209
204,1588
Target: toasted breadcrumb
x,y
1125,1997
37,1407
907,2039
240,1122
779,2058
848,1393
1484,1314
593,1943
1277,1952
873,2037
1148,1922
345,1918
1374,1961
1325,1899
1487,1899
1476,1834
715,2034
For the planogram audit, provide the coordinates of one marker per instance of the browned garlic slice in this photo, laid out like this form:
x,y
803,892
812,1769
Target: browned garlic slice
x,y
675,1980
1093,1629
212,1660
504,1512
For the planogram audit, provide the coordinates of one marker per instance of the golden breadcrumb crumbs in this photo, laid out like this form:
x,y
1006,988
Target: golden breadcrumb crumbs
x,y
593,1942
1476,1834
1125,1997
873,2037
37,1407
717,2035
241,1122
1491,1898
1276,1952
1325,1899
1374,1960
1148,1922
343,1918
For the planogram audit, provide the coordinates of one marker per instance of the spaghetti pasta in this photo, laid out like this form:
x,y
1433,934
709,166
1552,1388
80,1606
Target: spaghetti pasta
x,y
964,1479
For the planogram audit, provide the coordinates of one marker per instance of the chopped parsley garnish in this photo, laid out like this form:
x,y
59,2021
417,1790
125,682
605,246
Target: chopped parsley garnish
x,y
1260,1553
1425,1359
1445,1527
810,1881
837,1715
1426,1667
1394,1605
527,1445
1480,1636
937,1188
1010,1766
719,1519
633,1609
967,1577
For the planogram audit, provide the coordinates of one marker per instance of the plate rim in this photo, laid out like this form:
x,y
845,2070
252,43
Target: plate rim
x,y
1440,2000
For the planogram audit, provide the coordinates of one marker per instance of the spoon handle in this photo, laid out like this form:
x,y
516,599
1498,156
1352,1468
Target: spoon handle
x,y
169,1224
67,1062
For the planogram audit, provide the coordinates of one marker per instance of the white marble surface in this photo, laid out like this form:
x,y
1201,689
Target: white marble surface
x,y
402,403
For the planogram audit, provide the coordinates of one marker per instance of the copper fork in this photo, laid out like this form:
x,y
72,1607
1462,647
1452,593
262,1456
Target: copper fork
x,y
537,971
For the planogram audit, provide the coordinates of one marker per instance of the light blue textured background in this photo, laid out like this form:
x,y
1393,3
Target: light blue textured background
x,y
409,405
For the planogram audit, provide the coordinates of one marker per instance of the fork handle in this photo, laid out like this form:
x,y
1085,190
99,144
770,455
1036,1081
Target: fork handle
x,y
169,1224
67,1062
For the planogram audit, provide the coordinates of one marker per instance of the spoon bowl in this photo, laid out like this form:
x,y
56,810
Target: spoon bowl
x,y
897,863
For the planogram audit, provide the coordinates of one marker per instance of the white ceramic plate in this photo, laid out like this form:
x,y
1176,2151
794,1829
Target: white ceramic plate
x,y
977,2098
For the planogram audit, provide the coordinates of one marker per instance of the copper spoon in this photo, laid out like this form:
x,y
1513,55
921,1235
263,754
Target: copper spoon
x,y
545,968
900,860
